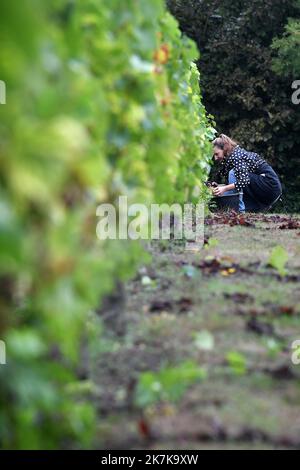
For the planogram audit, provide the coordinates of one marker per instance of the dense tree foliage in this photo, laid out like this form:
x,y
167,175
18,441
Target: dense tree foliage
x,y
102,99
239,75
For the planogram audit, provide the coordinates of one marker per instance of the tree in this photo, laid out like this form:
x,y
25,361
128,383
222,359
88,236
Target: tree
x,y
103,99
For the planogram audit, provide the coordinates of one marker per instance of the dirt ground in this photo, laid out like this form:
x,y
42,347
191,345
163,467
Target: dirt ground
x,y
240,307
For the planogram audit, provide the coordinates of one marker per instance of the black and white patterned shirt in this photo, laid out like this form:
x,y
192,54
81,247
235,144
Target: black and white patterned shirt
x,y
243,163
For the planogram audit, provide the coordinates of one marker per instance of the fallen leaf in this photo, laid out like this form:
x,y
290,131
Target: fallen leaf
x,y
282,372
292,224
144,428
184,304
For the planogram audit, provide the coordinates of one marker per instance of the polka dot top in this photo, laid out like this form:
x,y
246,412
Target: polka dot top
x,y
243,163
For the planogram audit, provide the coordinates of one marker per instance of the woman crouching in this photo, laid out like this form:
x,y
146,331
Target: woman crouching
x,y
249,174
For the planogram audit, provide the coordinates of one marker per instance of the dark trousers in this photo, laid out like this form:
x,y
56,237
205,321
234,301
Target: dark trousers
x,y
263,190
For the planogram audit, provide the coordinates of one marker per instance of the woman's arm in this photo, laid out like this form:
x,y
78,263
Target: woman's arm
x,y
222,189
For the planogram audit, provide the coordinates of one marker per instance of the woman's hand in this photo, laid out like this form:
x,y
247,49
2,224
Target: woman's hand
x,y
219,190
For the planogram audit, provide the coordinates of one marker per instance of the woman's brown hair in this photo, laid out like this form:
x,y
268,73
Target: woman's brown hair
x,y
224,142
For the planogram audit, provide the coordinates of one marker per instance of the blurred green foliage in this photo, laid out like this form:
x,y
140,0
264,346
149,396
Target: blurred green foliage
x,y
287,60
102,100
